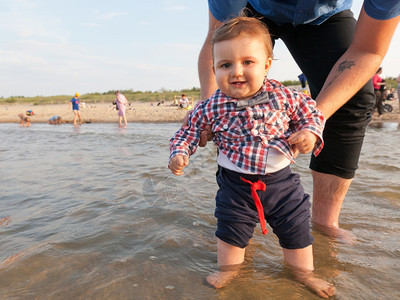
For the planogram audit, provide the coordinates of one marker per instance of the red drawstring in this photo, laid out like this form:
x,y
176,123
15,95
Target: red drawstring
x,y
258,185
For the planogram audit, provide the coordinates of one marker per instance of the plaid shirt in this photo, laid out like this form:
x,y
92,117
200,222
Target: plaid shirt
x,y
245,133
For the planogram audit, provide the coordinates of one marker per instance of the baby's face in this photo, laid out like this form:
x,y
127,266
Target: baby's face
x,y
240,66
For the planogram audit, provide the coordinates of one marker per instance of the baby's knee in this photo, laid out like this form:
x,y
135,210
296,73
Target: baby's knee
x,y
235,234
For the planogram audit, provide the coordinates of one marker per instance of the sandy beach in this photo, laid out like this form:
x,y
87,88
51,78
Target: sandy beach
x,y
95,113
136,112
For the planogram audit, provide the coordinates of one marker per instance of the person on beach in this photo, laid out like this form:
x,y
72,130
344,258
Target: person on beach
x,y
75,108
378,83
55,120
121,102
398,90
259,127
183,102
175,102
338,55
24,121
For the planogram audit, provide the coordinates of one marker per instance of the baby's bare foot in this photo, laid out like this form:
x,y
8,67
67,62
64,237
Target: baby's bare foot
x,y
223,276
321,287
220,279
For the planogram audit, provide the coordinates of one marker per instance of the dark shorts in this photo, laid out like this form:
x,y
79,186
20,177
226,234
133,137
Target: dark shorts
x,y
286,208
316,48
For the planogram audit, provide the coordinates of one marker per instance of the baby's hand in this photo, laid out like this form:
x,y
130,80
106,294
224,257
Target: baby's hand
x,y
303,141
178,163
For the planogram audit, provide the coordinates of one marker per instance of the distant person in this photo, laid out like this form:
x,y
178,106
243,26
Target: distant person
x,y
398,90
183,102
55,120
390,95
259,125
379,91
121,102
75,108
303,80
24,121
175,102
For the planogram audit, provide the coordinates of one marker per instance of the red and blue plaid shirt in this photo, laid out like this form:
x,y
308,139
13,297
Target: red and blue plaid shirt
x,y
245,133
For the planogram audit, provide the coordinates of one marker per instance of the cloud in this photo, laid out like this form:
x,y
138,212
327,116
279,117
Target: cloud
x,y
51,68
175,8
28,25
174,5
91,24
111,15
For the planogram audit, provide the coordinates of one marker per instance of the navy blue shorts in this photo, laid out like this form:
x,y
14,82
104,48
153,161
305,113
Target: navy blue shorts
x,y
286,208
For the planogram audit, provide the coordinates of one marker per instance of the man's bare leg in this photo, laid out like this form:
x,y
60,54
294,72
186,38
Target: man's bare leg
x,y
302,265
230,259
329,192
75,117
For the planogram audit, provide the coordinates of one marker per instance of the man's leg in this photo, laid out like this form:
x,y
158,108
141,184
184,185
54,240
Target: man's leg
x,y
316,49
329,192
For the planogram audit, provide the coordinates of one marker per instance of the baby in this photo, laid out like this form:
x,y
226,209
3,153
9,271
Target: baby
x,y
259,127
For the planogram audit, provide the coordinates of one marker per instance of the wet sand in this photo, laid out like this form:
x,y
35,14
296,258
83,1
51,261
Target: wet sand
x,y
136,112
95,113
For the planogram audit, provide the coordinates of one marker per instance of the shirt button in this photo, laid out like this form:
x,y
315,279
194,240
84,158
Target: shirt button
x,y
225,126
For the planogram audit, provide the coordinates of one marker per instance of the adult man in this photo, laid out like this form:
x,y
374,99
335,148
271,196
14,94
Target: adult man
x,y
338,56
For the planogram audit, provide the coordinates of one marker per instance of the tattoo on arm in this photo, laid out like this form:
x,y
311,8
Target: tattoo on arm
x,y
347,64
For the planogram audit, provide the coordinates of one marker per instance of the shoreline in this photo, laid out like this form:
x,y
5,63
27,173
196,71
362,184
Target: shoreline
x,y
136,112
143,112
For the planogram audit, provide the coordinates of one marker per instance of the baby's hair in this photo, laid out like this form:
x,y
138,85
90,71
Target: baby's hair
x,y
243,27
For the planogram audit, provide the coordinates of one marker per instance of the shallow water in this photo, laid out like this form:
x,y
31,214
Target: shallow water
x,y
93,213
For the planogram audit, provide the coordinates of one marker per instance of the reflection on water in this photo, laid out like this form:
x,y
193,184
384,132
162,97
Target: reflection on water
x,y
93,213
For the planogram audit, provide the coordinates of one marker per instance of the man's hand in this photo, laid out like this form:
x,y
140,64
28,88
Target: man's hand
x,y
205,135
177,164
302,141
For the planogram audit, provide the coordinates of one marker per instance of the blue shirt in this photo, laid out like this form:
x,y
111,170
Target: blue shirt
x,y
75,103
299,12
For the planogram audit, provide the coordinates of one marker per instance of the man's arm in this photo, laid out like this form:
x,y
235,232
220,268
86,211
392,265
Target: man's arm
x,y
358,64
208,84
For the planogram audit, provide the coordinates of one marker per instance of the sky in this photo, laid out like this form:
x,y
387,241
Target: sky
x,y
61,47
